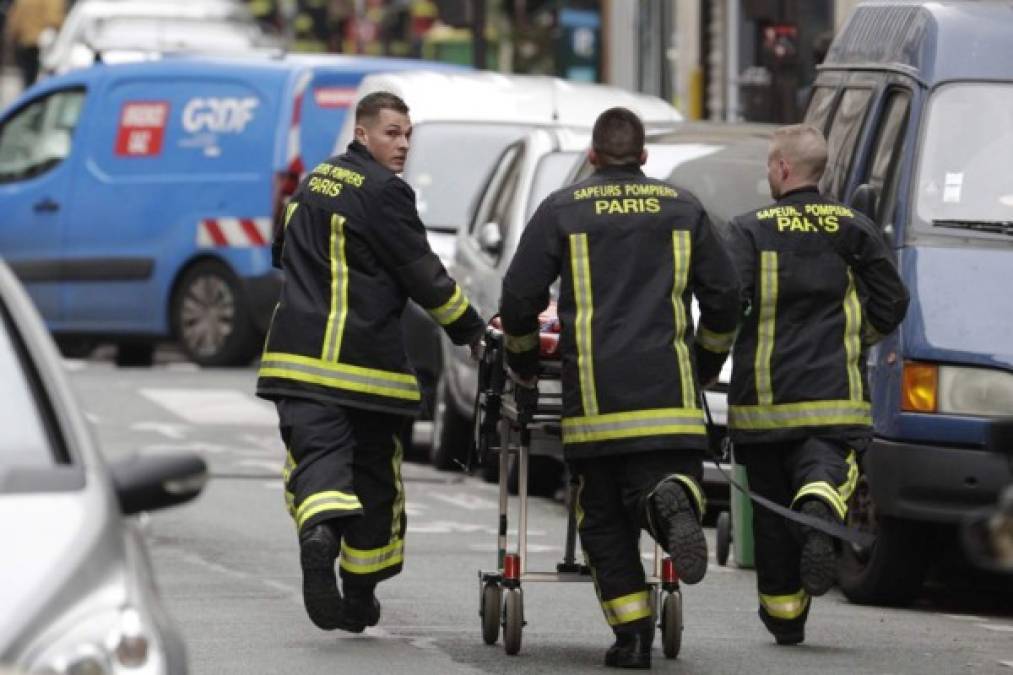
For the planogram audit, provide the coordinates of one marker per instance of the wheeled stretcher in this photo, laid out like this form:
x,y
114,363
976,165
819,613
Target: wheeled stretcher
x,y
506,415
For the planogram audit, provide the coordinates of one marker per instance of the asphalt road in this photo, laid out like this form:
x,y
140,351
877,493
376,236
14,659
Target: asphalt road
x,y
227,567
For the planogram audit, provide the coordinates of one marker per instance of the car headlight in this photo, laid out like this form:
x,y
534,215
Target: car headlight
x,y
928,387
111,641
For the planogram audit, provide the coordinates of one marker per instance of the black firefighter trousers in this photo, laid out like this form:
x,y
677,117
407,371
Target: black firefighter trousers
x,y
343,465
613,506
788,474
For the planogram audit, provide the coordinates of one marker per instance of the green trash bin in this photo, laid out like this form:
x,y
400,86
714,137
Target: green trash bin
x,y
742,519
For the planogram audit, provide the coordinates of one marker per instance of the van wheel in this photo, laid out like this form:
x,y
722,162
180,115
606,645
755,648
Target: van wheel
x,y
451,431
891,571
211,318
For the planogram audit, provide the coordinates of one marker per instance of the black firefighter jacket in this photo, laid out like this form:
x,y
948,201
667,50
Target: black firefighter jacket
x,y
818,286
353,251
630,253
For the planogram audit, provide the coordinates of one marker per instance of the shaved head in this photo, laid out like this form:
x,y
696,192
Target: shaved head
x,y
798,157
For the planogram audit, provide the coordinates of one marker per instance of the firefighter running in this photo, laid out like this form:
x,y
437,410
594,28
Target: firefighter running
x,y
630,252
353,250
818,287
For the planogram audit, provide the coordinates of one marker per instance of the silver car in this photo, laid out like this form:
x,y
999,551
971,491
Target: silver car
x,y
77,594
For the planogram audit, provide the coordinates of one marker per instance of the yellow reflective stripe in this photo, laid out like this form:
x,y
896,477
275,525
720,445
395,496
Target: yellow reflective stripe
x,y
339,291
785,607
330,500
452,309
339,375
581,266
765,327
853,338
803,414
654,422
695,491
681,252
578,509
870,335
520,343
627,608
359,561
289,466
290,211
399,498
719,343
826,492
848,487
290,503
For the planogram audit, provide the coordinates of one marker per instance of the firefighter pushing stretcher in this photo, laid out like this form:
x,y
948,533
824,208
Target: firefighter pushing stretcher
x,y
631,252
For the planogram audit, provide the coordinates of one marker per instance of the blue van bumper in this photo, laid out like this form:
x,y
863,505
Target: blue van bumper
x,y
940,484
262,295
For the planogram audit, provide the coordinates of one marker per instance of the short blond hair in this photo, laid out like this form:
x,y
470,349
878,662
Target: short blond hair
x,y
803,147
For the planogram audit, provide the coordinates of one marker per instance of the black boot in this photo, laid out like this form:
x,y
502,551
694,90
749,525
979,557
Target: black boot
x,y
631,650
318,549
361,606
818,565
677,522
787,632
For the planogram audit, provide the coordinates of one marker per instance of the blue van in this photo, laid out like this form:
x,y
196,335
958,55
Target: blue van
x,y
915,99
137,200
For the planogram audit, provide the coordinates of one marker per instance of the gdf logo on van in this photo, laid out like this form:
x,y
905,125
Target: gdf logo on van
x,y
218,115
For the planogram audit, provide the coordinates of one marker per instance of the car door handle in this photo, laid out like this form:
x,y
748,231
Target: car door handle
x,y
47,205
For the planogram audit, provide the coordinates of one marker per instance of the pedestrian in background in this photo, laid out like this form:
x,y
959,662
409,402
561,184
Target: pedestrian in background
x,y
819,285
630,253
26,21
353,251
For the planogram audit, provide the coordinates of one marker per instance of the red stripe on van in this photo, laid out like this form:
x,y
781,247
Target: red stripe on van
x,y
252,233
215,232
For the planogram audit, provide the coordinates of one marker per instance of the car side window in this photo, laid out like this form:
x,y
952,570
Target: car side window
x,y
841,140
489,196
39,135
886,151
820,106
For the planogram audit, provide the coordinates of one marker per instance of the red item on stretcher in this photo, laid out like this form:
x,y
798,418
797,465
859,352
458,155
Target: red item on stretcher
x,y
548,332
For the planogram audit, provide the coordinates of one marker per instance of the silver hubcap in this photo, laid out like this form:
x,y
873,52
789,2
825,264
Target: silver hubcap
x,y
207,314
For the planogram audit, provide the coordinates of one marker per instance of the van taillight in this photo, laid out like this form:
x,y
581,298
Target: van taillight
x,y
285,184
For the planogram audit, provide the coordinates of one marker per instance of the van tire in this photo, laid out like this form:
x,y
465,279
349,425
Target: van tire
x,y
211,317
892,570
451,431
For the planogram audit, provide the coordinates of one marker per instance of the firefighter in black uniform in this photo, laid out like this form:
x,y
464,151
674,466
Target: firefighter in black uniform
x,y
818,286
353,250
630,252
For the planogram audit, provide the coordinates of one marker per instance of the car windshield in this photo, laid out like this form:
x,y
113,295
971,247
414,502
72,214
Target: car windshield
x,y
23,441
965,176
443,192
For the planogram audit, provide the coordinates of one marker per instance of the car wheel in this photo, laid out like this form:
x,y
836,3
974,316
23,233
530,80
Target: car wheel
x,y
891,571
75,347
451,431
211,318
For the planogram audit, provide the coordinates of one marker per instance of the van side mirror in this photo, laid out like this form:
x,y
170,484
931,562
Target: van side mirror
x,y
149,482
865,199
490,239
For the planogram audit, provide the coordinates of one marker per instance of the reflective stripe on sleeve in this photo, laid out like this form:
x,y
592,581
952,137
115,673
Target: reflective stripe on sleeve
x,y
719,343
853,338
681,253
804,414
826,493
452,309
358,561
627,608
339,376
329,500
765,327
339,291
611,426
290,211
519,344
580,263
785,607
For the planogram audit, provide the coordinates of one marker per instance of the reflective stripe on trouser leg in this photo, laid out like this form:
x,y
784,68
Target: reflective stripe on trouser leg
x,y
372,548
785,607
828,472
691,488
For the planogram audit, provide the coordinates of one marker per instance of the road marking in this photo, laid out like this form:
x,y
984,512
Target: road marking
x,y
74,365
93,418
226,407
1008,664
998,628
444,527
273,467
174,431
963,617
492,547
465,501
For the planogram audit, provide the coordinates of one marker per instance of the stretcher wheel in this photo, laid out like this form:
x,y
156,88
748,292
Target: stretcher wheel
x,y
724,537
513,620
490,611
671,624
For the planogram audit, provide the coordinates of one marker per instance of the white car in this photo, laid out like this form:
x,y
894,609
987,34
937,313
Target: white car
x,y
128,30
